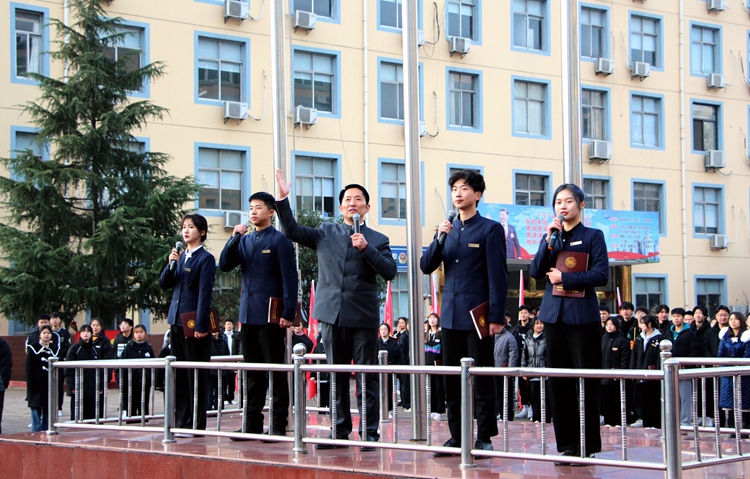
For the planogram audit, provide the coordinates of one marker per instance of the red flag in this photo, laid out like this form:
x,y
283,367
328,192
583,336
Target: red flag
x,y
521,292
388,316
435,305
312,322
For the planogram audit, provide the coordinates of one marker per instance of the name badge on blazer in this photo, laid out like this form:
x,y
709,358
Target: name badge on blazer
x,y
473,245
614,349
187,270
576,243
266,251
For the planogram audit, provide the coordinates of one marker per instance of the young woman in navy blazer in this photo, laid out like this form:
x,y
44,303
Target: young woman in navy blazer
x,y
572,324
192,280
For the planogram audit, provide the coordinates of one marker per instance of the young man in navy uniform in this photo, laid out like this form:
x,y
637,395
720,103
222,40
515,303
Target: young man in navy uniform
x,y
473,256
269,269
346,301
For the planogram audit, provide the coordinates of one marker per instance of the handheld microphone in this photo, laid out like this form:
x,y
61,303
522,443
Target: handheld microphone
x,y
178,246
356,218
553,237
234,240
451,216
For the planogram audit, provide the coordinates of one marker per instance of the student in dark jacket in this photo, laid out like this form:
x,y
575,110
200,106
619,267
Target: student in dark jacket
x,y
662,314
404,380
390,344
735,343
615,355
138,348
521,332
84,350
37,376
118,346
100,340
55,321
702,330
299,337
534,355
684,345
713,341
219,347
433,356
6,364
645,355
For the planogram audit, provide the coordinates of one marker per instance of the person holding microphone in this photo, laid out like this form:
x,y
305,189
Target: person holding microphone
x,y
570,312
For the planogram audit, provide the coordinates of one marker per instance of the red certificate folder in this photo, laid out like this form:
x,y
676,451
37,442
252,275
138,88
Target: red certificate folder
x,y
275,308
570,262
480,317
188,322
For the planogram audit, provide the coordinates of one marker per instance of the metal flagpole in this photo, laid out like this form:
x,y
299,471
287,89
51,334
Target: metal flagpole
x,y
571,93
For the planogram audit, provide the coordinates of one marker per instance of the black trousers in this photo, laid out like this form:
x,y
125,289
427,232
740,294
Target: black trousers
x,y
342,346
437,393
88,410
501,407
265,344
2,403
459,344
191,349
536,400
134,409
609,404
648,397
228,385
574,346
404,381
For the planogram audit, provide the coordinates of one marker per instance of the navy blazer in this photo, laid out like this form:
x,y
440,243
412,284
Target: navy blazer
x,y
475,271
573,310
347,286
193,282
269,269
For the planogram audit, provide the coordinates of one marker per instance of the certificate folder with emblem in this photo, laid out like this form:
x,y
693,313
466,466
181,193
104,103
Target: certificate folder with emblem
x,y
480,317
276,307
188,322
570,262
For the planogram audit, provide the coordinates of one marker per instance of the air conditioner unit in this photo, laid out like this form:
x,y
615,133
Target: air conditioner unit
x,y
460,45
305,116
234,110
740,308
715,159
304,20
605,65
719,241
640,69
236,9
716,80
600,150
716,5
420,38
422,129
234,218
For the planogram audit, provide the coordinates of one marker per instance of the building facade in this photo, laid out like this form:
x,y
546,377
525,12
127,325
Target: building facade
x,y
663,84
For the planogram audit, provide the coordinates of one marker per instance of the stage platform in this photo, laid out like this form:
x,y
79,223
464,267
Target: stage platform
x,y
101,454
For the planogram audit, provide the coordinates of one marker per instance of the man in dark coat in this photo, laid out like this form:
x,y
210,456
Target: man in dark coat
x,y
512,246
404,380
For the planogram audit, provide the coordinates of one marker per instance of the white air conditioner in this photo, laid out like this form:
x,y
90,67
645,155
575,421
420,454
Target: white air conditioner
x,y
420,38
304,20
422,129
740,308
460,45
234,218
640,70
719,241
716,5
600,150
236,9
715,159
234,110
605,65
716,80
305,116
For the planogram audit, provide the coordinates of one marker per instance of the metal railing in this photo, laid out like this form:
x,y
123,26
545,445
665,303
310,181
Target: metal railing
x,y
673,370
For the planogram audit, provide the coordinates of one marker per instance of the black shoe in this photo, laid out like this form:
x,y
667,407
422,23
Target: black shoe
x,y
368,448
276,432
452,442
571,453
484,446
323,447
240,439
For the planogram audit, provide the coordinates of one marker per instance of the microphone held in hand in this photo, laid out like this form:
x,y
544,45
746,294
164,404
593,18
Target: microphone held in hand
x,y
451,216
356,218
555,233
234,240
178,246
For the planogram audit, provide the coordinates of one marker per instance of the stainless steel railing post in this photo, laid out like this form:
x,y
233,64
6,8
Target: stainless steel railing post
x,y
467,414
51,395
169,400
300,412
383,387
671,427
666,352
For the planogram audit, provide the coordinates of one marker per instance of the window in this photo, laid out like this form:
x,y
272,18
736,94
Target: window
x,y
221,173
593,114
708,293
314,76
528,24
462,90
28,140
704,50
28,28
650,291
644,40
529,108
596,193
705,127
707,206
220,69
593,35
321,8
400,296
130,45
650,197
461,17
390,13
645,121
393,191
391,91
531,190
314,185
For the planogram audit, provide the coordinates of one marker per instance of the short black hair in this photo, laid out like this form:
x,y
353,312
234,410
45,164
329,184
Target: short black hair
x,y
642,309
43,316
679,311
522,307
349,187
575,190
125,320
613,320
472,178
386,325
627,305
140,326
661,307
650,319
266,198
199,221
722,307
86,327
54,315
702,309
604,308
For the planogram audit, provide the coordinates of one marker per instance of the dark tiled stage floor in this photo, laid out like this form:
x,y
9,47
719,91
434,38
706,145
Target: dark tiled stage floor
x,y
81,454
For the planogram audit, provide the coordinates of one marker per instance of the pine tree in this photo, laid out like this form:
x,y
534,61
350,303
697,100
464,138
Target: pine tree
x,y
91,228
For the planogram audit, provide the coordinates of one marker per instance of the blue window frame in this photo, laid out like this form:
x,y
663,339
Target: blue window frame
x,y
532,188
530,26
594,32
708,210
316,80
705,49
531,107
22,138
135,44
464,19
224,174
710,292
222,69
650,290
392,191
389,15
391,91
317,182
598,191
464,93
595,113
325,10
646,120
707,126
650,195
647,40
30,40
